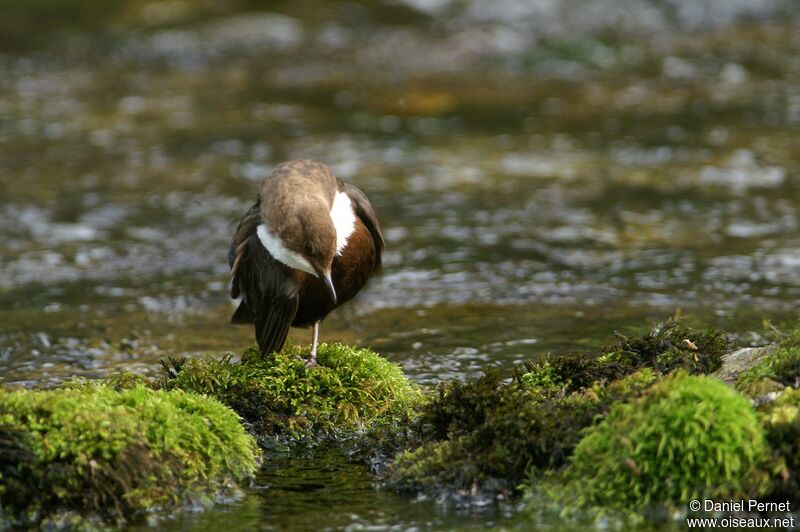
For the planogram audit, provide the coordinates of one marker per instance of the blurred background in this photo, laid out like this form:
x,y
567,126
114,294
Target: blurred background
x,y
546,171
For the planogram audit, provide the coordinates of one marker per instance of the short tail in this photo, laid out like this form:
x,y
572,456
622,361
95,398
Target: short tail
x,y
272,325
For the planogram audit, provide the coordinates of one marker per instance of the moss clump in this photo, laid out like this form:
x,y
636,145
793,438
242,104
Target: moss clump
x,y
96,450
285,401
571,373
779,369
666,347
688,437
669,346
781,422
485,436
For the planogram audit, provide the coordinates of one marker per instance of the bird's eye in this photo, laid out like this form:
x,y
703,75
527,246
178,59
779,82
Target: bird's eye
x,y
308,248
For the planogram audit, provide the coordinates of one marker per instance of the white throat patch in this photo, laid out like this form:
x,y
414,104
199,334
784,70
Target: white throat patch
x,y
281,253
344,220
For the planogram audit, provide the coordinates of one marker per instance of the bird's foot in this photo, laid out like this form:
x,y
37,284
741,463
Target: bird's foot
x,y
309,362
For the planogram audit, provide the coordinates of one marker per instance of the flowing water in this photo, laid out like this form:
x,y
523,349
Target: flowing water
x,y
544,176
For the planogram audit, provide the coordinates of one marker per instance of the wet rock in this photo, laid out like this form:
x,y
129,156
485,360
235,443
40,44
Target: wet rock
x,y
740,361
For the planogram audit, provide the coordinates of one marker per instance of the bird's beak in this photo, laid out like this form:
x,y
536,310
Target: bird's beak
x,y
326,279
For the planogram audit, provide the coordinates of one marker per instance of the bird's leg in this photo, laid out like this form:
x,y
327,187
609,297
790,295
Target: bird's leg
x,y
314,338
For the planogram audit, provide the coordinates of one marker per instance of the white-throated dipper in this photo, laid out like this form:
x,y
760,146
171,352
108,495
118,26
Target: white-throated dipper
x,y
307,246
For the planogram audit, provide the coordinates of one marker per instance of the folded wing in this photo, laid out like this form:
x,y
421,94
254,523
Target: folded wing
x,y
262,282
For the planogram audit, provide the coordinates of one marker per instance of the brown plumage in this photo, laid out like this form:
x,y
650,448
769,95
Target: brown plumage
x,y
302,277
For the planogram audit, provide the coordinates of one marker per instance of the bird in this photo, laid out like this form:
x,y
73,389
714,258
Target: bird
x,y
308,245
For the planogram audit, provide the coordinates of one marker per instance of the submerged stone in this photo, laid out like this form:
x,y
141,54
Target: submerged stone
x,y
115,454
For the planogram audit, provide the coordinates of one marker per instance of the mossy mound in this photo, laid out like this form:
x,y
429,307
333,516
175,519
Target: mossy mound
x,y
688,437
114,453
286,402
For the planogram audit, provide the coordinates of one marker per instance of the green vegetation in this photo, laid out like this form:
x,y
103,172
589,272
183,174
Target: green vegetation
x,y
669,346
115,453
119,448
781,421
487,436
779,369
688,437
283,400
638,429
773,383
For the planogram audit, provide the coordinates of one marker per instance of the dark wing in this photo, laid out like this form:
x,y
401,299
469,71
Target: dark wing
x,y
262,281
367,215
245,231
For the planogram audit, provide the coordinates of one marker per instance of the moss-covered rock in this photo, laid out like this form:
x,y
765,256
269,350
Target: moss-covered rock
x,y
129,444
781,421
114,453
777,369
485,436
285,401
688,437
772,379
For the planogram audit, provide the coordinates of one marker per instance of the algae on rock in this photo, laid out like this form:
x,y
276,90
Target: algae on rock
x,y
114,453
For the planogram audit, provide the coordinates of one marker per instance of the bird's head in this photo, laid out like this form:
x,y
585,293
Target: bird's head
x,y
313,237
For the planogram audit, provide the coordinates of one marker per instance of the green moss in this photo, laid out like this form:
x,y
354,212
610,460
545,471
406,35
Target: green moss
x,y
542,375
670,346
572,373
664,348
489,435
485,436
94,449
283,399
688,437
125,380
781,421
779,369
